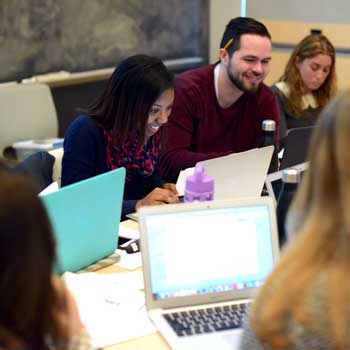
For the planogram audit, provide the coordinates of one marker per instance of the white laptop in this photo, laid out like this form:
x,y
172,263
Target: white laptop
x,y
205,255
237,175
273,182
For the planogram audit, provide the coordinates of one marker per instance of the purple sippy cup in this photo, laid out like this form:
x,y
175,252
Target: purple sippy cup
x,y
199,186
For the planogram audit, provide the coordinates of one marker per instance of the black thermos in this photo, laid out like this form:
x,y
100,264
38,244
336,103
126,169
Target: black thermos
x,y
268,129
290,181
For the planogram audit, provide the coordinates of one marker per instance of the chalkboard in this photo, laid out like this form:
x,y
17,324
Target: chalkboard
x,y
41,36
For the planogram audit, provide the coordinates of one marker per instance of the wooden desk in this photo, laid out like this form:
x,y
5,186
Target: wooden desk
x,y
153,341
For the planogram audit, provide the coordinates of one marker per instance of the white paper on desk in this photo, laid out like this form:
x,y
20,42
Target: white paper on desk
x,y
53,187
129,261
111,306
237,175
280,153
128,232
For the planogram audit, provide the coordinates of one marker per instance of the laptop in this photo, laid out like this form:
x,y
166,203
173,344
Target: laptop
x,y
296,146
204,258
85,218
273,181
237,175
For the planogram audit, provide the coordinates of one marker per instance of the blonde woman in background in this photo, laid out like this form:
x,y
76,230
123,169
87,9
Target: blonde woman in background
x,y
307,84
305,302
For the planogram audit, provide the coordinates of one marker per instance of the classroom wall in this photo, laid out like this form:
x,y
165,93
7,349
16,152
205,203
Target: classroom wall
x,y
41,36
220,12
290,21
326,11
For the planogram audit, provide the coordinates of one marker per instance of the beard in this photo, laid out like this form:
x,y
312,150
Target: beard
x,y
238,83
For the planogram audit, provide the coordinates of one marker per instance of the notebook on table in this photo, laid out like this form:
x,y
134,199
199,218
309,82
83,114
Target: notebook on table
x,y
85,217
203,259
273,181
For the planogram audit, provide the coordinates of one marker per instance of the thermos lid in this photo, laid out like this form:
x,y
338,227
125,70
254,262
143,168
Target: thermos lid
x,y
291,176
269,125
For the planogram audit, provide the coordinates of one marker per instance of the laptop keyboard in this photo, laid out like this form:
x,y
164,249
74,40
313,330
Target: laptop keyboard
x,y
207,320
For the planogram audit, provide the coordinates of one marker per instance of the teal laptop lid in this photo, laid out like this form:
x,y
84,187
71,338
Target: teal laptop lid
x,y
85,217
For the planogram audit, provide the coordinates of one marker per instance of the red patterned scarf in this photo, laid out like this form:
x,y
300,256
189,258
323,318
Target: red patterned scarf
x,y
136,160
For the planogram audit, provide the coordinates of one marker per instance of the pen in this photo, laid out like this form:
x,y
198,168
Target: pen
x,y
228,44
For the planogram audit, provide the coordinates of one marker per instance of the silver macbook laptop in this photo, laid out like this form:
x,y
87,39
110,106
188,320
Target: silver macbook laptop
x,y
273,182
238,175
203,263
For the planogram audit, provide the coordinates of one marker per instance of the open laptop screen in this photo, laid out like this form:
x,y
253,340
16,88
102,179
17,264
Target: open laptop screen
x,y
206,251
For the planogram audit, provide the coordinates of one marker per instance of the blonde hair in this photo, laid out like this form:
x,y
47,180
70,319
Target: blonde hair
x,y
311,46
322,244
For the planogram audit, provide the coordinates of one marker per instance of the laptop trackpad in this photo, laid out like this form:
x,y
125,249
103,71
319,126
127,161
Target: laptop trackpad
x,y
220,340
233,339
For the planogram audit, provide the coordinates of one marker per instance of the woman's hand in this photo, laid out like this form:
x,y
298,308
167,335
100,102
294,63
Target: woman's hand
x,y
171,187
159,196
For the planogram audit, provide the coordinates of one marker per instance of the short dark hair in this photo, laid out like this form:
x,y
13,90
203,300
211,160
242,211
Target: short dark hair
x,y
134,86
239,26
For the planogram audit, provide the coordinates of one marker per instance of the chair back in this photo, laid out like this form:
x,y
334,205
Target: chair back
x,y
27,112
57,166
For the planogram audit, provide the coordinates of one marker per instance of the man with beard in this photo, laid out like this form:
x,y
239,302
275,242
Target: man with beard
x,y
219,109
